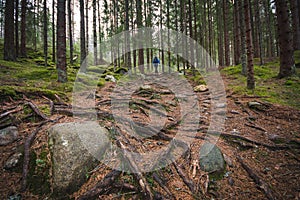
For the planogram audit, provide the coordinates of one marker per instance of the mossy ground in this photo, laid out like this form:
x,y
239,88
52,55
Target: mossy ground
x,y
285,91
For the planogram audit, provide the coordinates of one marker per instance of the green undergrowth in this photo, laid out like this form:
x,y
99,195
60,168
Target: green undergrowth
x,y
285,91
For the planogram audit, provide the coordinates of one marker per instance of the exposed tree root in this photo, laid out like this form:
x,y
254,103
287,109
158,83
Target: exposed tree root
x,y
261,184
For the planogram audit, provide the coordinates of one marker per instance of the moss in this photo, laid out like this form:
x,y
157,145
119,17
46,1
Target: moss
x,y
101,82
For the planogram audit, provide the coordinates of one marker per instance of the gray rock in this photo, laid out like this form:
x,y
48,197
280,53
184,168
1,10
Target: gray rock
x,y
211,158
70,159
200,88
221,105
13,161
8,135
110,78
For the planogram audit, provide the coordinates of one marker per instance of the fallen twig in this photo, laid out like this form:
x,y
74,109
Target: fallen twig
x,y
101,186
162,185
7,113
37,111
27,145
256,127
261,184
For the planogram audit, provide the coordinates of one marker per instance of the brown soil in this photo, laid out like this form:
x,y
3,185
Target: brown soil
x,y
271,126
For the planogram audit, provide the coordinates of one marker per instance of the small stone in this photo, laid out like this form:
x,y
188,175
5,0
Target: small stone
x,y
228,160
145,87
207,101
253,104
235,132
234,112
200,88
110,78
221,105
13,161
8,135
230,181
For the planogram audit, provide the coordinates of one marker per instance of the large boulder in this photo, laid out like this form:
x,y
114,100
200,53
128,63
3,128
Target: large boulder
x,y
8,135
70,159
211,158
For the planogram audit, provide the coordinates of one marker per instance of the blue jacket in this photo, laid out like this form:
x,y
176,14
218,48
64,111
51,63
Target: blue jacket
x,y
156,60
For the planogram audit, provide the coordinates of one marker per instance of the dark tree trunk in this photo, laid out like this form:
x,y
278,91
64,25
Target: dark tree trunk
x,y
161,37
45,33
100,32
82,33
140,44
182,29
237,36
95,32
87,26
23,28
9,46
53,32
70,32
259,31
168,26
17,28
61,41
250,71
269,25
226,34
127,42
243,38
1,18
191,48
220,35
285,39
295,9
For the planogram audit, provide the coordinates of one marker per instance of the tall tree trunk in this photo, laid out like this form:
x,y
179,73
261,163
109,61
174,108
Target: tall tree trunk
x,y
269,25
295,9
161,37
226,34
100,32
61,41
133,42
285,39
237,36
1,18
17,28
127,42
45,33
82,33
191,48
243,38
9,46
168,26
259,31
23,28
220,35
140,44
53,32
87,27
95,32
250,71
70,32
182,29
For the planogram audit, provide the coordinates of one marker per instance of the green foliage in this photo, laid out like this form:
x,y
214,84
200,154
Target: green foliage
x,y
283,91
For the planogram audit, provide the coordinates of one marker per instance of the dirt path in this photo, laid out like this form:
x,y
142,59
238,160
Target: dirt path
x,y
265,138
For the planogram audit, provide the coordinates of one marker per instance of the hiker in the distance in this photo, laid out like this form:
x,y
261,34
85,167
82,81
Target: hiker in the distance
x,y
156,62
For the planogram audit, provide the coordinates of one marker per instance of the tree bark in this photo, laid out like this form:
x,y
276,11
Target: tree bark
x,y
23,28
61,41
127,42
237,33
250,71
87,27
9,46
53,32
95,32
17,27
82,33
70,32
226,34
45,33
295,9
140,44
243,38
99,32
285,39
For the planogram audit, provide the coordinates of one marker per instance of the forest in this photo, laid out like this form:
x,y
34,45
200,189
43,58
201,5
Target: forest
x,y
148,99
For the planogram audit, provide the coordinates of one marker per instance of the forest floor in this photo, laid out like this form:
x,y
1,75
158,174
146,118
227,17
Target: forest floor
x,y
261,144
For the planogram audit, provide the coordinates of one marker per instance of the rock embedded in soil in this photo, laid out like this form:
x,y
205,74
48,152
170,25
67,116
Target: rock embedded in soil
x,y
71,161
200,88
211,159
8,135
13,161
